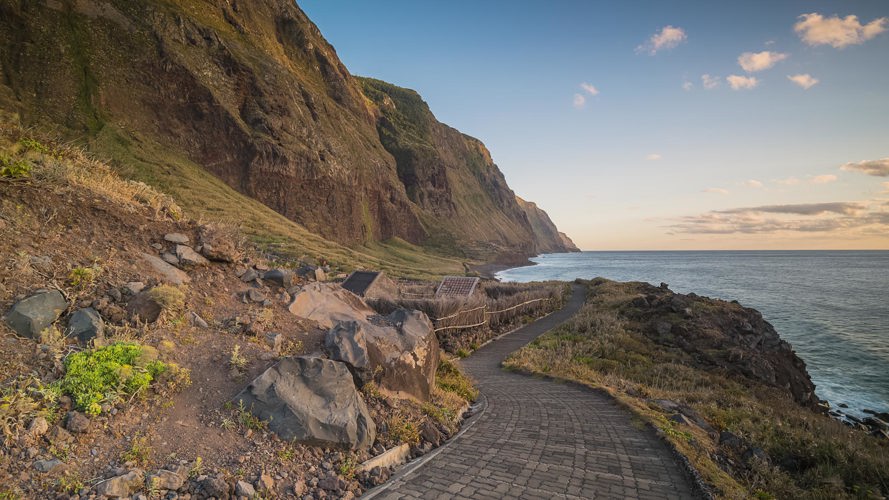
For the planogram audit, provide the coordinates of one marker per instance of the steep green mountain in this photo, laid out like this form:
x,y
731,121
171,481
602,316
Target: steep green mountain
x,y
225,103
547,237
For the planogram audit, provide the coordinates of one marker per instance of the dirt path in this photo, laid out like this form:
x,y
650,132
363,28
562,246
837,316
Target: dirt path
x,y
540,439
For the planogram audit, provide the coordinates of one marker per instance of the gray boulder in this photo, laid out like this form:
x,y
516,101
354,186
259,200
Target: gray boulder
x,y
143,307
407,352
32,315
86,324
280,277
218,245
346,342
166,480
328,304
164,271
189,258
312,400
176,238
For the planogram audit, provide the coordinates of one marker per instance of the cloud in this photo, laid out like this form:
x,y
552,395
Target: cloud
x,y
653,157
759,61
790,181
737,82
716,191
753,183
589,88
687,86
876,168
667,38
803,218
710,82
815,29
824,179
844,208
886,189
805,80
579,101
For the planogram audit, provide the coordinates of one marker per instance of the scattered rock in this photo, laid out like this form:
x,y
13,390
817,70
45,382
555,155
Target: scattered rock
x,y
38,427
115,295
86,324
280,277
166,480
77,422
47,465
255,295
215,487
178,238
189,258
250,275
332,483
312,400
165,271
320,275
218,246
123,485
32,315
755,452
244,489
680,419
730,440
143,307
300,488
134,287
57,435
407,351
170,258
328,304
430,433
265,483
195,320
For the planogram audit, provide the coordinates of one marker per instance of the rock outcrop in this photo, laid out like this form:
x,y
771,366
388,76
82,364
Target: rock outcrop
x,y
312,400
720,334
328,304
547,238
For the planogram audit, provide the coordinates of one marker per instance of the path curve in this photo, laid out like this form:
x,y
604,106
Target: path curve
x,y
539,439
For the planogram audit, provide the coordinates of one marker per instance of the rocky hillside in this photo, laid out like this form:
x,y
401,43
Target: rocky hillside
x,y
548,238
255,96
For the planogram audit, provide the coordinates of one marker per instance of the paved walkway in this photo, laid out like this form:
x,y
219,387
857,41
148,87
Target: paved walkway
x,y
540,439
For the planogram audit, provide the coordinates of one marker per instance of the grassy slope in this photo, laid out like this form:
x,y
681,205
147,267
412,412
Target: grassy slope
x,y
811,455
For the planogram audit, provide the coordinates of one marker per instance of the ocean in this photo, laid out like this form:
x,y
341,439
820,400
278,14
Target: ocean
x,y
831,306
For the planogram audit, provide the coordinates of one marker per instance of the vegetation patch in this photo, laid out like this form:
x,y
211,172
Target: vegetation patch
x,y
449,378
108,374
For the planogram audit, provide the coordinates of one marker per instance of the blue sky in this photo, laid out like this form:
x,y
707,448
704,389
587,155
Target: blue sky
x,y
650,158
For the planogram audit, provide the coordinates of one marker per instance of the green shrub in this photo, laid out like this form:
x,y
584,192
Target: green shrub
x,y
449,378
106,374
81,277
14,169
33,145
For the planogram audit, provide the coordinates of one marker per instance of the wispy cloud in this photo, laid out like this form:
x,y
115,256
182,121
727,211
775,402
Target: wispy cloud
x,y
876,168
653,157
737,82
710,82
721,191
815,29
804,218
804,80
789,181
752,62
753,183
885,190
667,38
590,89
579,101
824,179
686,86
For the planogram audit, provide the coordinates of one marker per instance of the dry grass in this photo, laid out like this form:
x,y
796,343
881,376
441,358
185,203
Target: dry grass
x,y
811,455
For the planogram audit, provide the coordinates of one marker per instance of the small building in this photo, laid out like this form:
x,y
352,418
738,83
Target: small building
x,y
457,286
370,284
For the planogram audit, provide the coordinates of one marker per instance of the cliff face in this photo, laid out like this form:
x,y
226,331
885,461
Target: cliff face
x,y
252,93
548,238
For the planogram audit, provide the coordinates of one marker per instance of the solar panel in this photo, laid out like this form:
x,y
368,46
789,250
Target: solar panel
x,y
456,286
360,281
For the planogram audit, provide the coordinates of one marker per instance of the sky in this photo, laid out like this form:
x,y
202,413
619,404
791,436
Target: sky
x,y
682,125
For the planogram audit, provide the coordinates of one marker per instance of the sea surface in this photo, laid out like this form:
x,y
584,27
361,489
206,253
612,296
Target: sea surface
x,y
833,307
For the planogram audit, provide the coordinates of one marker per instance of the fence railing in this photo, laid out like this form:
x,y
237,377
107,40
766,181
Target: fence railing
x,y
487,314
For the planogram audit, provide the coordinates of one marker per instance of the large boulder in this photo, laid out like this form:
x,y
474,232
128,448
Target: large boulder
x,y
144,307
164,271
346,342
329,304
312,400
32,315
218,244
189,258
406,348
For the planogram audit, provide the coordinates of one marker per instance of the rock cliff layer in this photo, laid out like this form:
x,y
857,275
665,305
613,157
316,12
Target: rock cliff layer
x,y
254,94
547,237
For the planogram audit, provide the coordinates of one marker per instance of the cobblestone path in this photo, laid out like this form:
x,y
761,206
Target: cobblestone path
x,y
540,439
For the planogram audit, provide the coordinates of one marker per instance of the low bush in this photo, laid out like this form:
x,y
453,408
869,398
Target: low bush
x,y
107,374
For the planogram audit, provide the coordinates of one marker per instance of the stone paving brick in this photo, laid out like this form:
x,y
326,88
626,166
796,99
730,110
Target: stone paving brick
x,y
540,439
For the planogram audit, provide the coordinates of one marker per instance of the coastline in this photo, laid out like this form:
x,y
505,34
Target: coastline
x,y
489,270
